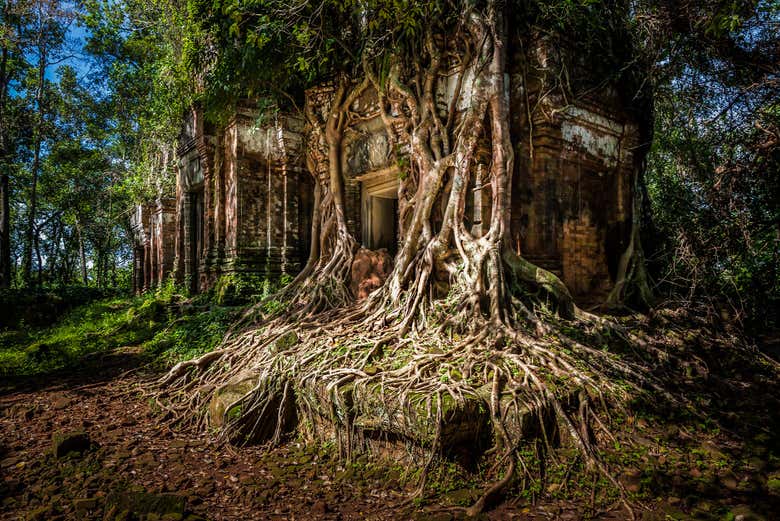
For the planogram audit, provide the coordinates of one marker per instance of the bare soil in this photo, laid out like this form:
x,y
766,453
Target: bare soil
x,y
676,468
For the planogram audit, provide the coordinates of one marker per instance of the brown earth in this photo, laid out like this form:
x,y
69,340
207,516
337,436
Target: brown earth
x,y
677,468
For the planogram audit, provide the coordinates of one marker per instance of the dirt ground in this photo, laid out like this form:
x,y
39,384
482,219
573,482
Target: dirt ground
x,y
135,459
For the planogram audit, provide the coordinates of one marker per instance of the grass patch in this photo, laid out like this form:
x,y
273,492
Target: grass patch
x,y
99,326
169,327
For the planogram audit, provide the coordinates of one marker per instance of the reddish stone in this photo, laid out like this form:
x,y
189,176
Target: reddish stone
x,y
369,271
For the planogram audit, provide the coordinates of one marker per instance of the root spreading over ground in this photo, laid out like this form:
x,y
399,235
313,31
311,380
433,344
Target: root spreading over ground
x,y
458,348
452,380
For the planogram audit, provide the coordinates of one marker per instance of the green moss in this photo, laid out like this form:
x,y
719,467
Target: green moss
x,y
191,334
98,326
169,328
234,413
285,342
238,288
773,485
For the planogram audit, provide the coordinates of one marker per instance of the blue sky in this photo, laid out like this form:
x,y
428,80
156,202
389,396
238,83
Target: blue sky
x,y
74,45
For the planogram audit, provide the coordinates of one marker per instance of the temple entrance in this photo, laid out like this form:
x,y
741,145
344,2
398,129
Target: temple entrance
x,y
379,215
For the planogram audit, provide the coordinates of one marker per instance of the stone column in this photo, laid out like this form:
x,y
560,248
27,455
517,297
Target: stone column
x,y
187,242
153,251
147,266
291,256
138,269
219,202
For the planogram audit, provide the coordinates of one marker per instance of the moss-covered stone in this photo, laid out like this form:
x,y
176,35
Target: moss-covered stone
x,y
463,421
239,288
773,484
285,342
227,395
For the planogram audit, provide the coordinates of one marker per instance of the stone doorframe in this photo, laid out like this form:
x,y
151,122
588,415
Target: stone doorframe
x,y
379,209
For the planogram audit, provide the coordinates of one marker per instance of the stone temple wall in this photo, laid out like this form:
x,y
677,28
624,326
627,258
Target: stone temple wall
x,y
575,162
244,195
571,188
153,227
241,198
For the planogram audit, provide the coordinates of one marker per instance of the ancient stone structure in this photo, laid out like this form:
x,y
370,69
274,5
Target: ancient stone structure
x,y
243,198
574,180
571,189
154,230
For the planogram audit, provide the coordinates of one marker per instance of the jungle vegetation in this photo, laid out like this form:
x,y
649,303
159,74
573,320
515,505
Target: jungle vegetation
x,y
79,148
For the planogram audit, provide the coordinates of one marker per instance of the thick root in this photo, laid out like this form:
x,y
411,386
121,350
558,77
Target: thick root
x,y
340,374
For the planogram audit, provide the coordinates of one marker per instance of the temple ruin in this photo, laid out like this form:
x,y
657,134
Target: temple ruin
x,y
242,198
244,195
153,235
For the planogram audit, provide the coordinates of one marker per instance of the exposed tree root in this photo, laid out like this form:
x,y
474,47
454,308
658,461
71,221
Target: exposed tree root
x,y
342,373
409,362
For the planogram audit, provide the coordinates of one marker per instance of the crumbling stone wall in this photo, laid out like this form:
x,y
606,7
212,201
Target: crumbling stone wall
x,y
572,185
575,164
240,207
243,194
153,243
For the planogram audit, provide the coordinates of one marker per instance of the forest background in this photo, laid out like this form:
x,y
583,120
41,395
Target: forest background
x,y
92,94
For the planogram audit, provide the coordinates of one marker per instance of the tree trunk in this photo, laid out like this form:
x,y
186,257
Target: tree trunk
x,y
82,255
38,257
5,208
53,255
5,228
36,164
477,326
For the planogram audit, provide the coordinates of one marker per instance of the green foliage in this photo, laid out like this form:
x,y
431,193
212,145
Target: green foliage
x,y
100,326
166,326
714,169
274,49
242,288
199,329
23,308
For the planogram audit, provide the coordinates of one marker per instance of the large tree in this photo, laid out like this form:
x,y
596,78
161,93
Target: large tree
x,y
486,335
479,339
46,36
13,64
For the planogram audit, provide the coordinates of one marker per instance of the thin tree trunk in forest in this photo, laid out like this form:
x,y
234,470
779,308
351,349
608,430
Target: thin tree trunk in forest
x,y
36,164
5,229
54,251
39,258
5,207
82,256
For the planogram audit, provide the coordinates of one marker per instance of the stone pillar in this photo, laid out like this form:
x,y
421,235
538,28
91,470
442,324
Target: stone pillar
x,y
147,267
352,207
219,202
187,242
138,269
291,256
275,211
165,238
153,251
179,220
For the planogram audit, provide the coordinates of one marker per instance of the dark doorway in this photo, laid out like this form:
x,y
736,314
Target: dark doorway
x,y
196,237
380,215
